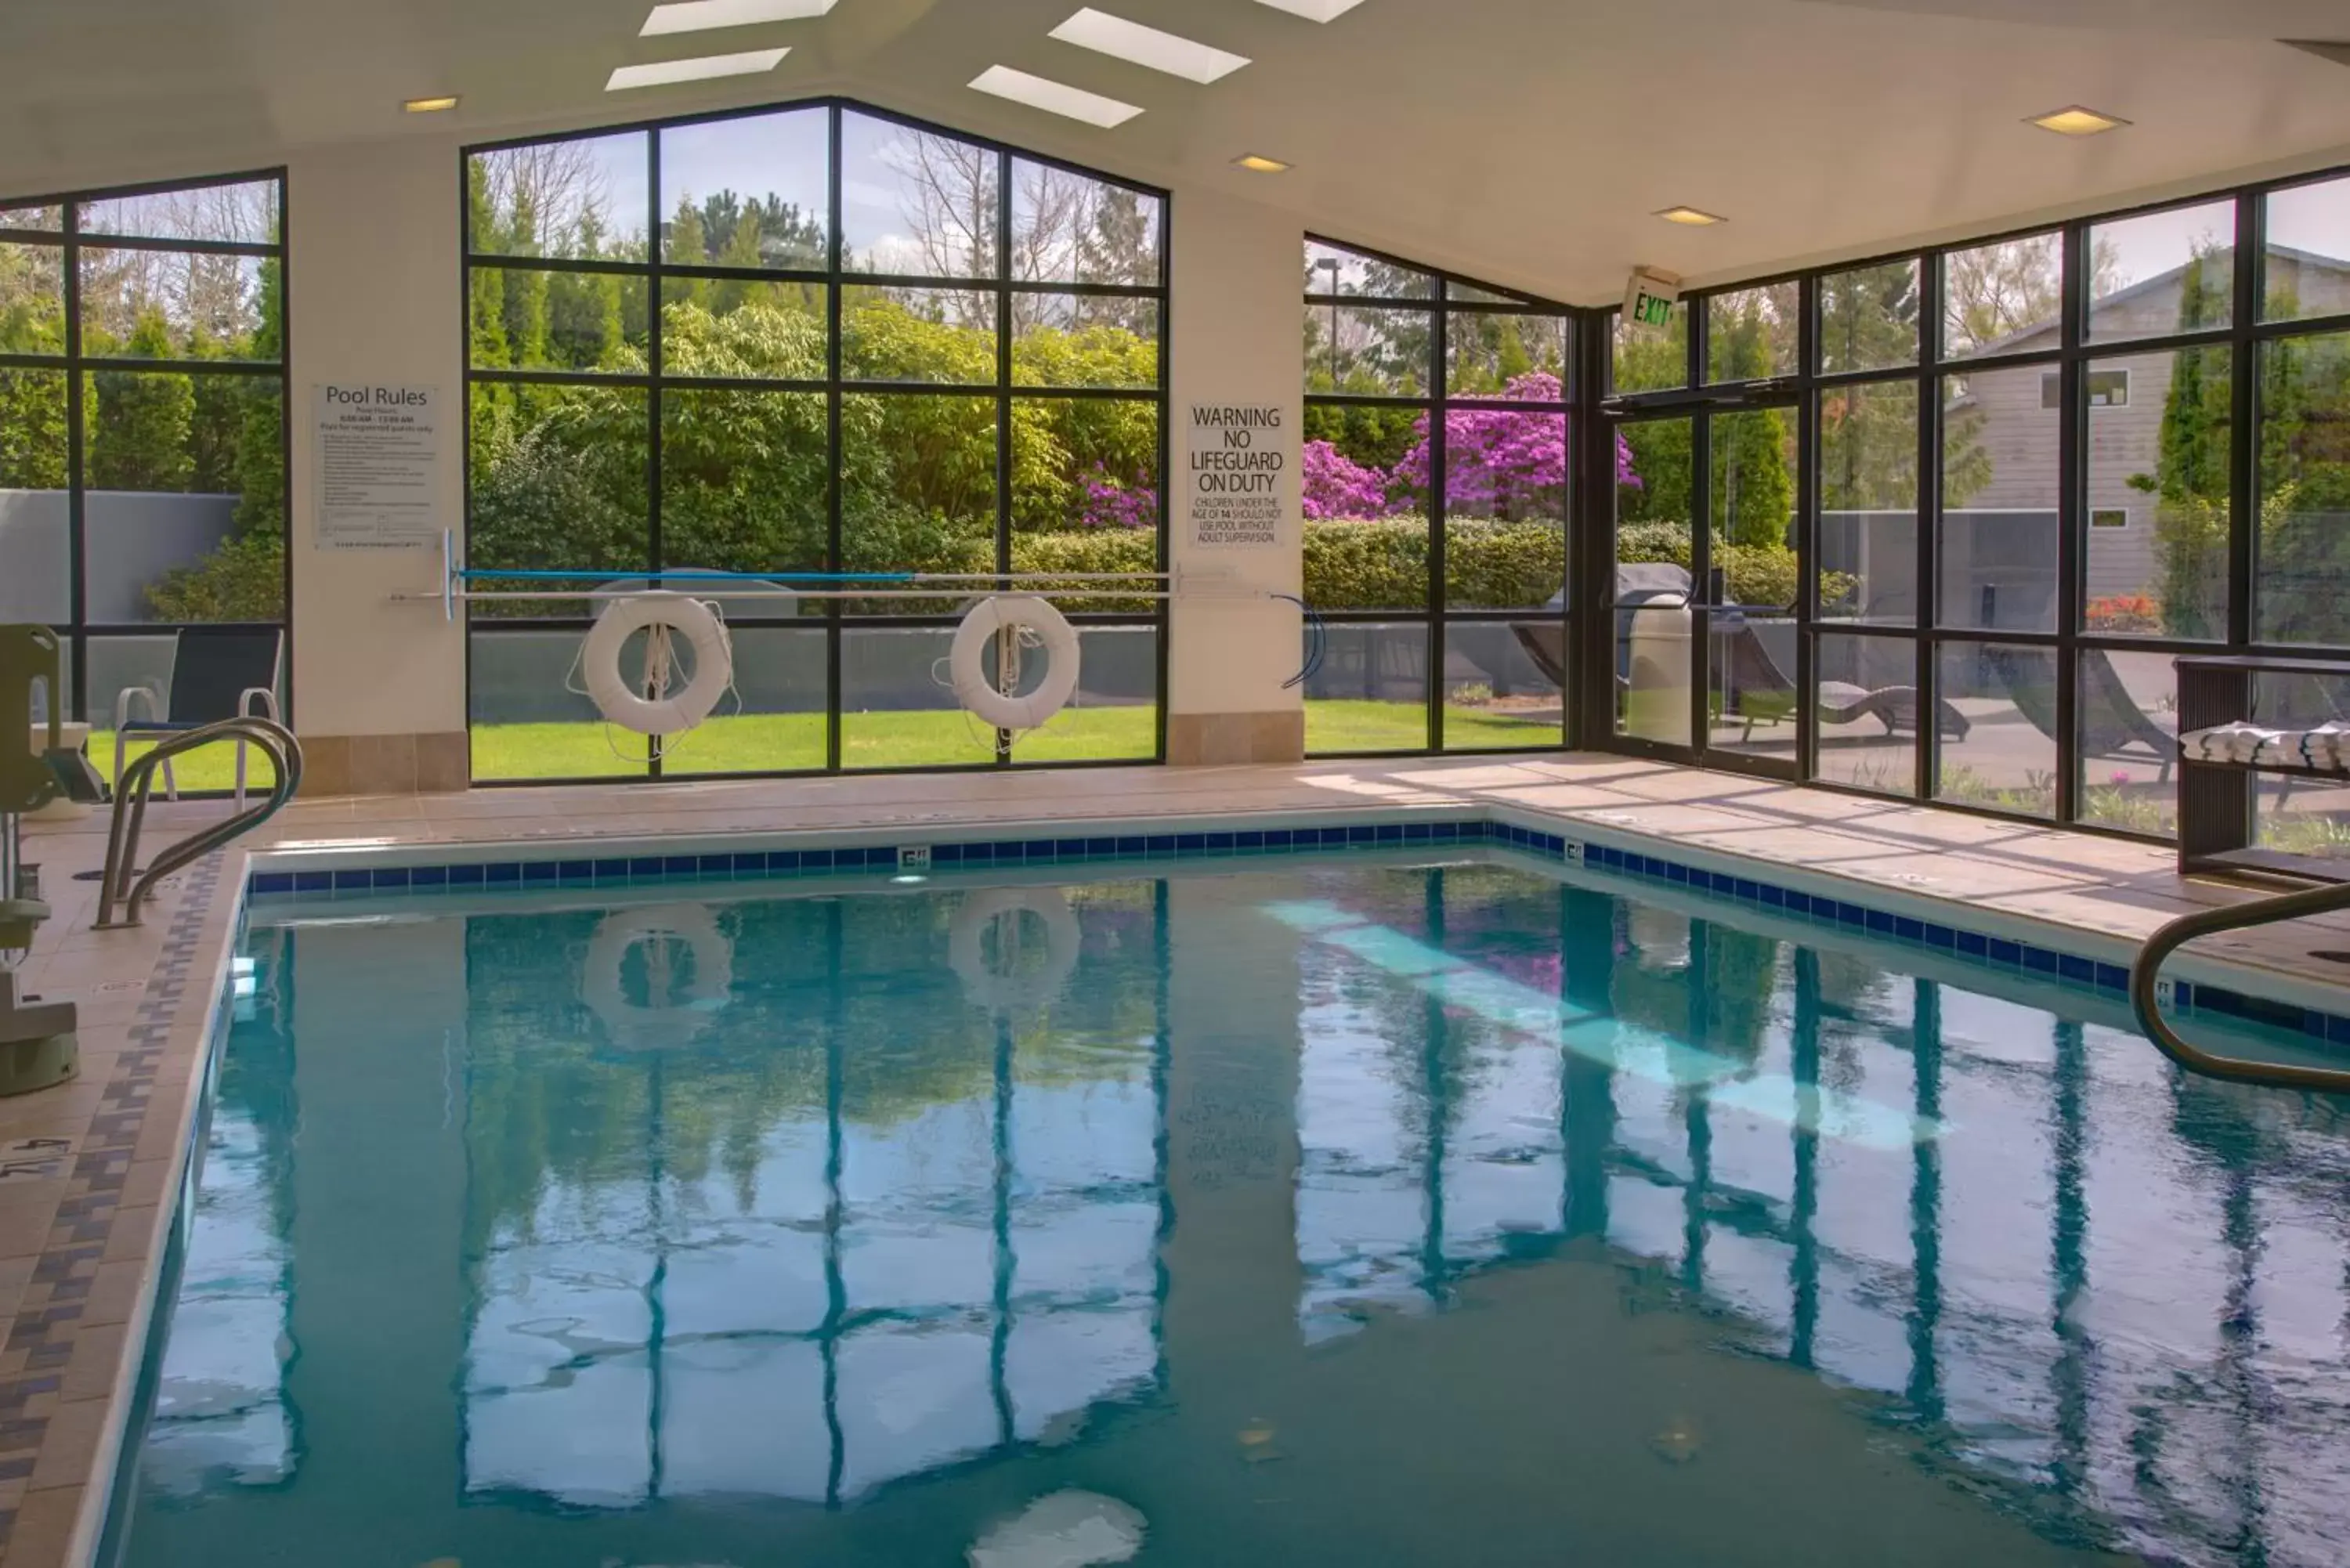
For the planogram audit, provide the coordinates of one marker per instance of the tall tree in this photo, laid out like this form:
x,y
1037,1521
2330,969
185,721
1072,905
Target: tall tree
x,y
141,419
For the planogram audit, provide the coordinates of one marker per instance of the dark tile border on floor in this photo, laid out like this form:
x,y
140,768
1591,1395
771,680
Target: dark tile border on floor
x,y
47,1348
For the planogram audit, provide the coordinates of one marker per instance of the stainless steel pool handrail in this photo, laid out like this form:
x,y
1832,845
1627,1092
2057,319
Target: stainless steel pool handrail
x,y
115,884
2145,990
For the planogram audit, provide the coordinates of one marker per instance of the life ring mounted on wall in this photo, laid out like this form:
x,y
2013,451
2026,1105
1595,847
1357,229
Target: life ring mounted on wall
x,y
662,617
975,685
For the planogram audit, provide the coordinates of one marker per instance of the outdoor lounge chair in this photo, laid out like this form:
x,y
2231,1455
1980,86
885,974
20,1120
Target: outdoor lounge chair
x,y
1764,693
2110,720
217,672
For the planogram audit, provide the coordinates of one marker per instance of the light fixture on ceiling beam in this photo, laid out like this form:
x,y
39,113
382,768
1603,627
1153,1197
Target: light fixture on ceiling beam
x,y
1147,46
1054,97
702,15
1691,217
1314,10
701,67
2076,120
1257,164
429,105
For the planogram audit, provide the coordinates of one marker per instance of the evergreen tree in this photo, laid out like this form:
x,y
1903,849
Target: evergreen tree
x,y
261,432
526,294
789,237
141,421
1121,245
32,430
1753,480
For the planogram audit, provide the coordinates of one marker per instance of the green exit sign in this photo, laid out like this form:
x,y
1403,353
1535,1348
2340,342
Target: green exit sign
x,y
1650,298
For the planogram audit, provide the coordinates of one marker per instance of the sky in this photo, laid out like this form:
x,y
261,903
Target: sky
x,y
782,154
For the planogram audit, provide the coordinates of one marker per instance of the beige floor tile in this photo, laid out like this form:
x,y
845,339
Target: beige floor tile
x,y
44,1528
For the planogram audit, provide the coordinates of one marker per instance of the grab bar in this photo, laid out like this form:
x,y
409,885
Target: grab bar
x,y
2145,972
115,884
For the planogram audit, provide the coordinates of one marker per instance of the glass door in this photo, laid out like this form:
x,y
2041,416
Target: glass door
x,y
1654,593
1748,610
1704,619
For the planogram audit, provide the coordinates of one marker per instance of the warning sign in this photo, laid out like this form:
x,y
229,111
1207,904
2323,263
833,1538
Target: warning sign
x,y
1239,454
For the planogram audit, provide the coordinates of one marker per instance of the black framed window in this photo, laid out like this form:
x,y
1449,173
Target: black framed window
x,y
143,437
2035,469
807,339
1436,468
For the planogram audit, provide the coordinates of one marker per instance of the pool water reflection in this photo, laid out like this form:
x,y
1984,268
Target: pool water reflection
x,y
1383,1211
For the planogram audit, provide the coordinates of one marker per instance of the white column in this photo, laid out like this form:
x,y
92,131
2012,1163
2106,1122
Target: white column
x,y
374,294
1236,337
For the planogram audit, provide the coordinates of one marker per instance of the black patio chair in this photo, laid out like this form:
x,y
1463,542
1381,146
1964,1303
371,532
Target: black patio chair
x,y
217,672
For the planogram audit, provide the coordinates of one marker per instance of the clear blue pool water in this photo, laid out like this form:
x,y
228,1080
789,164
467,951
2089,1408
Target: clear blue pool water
x,y
1372,1212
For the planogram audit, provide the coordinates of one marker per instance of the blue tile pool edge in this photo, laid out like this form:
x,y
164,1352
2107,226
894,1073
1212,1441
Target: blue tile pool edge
x,y
362,874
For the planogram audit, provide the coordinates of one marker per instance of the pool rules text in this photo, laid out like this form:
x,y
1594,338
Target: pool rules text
x,y
1239,455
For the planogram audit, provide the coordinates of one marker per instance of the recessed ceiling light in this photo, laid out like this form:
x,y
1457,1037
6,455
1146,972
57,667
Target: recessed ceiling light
x,y
1131,41
2076,120
1314,10
1256,165
430,105
1054,97
1691,216
700,16
701,67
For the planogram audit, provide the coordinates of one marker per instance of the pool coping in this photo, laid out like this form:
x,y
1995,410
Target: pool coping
x,y
172,1045
2004,941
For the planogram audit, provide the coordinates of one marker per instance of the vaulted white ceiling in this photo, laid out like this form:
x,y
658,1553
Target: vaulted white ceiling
x,y
1527,142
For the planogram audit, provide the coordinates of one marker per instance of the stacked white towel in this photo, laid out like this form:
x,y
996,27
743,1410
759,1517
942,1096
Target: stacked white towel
x,y
2233,744
2327,748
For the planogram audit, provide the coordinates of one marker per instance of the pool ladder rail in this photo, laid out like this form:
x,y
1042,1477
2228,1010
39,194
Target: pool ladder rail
x,y
116,882
2146,996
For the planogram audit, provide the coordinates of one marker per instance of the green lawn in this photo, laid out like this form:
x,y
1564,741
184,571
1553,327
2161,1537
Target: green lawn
x,y
780,742
1339,727
210,767
775,743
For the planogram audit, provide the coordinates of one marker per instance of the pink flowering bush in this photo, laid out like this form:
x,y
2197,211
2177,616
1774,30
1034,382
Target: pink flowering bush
x,y
1337,486
1502,463
1114,504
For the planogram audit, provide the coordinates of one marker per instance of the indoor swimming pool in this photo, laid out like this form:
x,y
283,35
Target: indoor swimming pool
x,y
1418,1206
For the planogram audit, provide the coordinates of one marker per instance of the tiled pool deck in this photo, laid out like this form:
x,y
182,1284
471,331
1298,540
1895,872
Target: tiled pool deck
x,y
87,1196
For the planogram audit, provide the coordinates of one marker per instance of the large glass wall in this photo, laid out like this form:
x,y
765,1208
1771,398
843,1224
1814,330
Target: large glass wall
x,y
2034,471
814,339
1436,461
143,443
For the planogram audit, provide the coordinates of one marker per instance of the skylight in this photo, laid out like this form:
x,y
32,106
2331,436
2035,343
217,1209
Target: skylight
x,y
700,16
701,67
1054,97
1131,41
1314,10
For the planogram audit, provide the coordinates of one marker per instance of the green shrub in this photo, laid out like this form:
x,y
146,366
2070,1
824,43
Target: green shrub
x,y
1502,566
1091,550
1368,564
243,579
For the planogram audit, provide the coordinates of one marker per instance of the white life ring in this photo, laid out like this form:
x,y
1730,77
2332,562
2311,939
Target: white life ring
x,y
666,1023
974,682
672,714
995,991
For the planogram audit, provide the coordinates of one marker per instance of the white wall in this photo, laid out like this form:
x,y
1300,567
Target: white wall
x,y
373,294
1235,311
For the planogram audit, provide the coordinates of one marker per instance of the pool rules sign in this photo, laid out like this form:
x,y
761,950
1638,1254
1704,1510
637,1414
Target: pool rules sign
x,y
376,462
1240,454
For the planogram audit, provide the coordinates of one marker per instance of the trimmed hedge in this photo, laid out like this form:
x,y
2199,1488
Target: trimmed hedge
x,y
1379,563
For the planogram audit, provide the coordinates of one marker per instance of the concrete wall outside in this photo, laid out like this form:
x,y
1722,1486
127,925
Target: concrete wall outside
x,y
130,540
